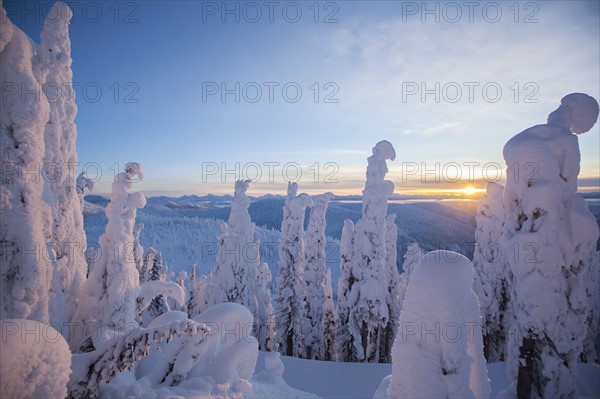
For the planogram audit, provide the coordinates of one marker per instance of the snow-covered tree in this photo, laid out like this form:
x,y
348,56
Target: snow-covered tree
x,y
489,280
412,258
393,295
549,233
155,270
369,312
82,183
124,349
264,324
26,222
314,275
290,319
192,303
110,292
238,258
328,324
68,241
182,276
200,287
438,352
343,339
235,270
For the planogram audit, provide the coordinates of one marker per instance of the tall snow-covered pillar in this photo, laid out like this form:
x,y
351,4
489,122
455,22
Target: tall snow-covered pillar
x,y
110,292
26,265
369,313
549,234
489,280
290,319
345,351
60,159
314,275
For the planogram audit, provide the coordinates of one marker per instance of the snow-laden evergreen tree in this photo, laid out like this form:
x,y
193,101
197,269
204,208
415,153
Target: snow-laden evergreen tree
x,y
438,352
182,277
489,280
343,339
82,183
314,275
156,271
412,257
200,289
26,222
264,324
111,290
68,241
369,312
549,233
393,295
238,258
290,318
192,303
329,318
591,279
235,270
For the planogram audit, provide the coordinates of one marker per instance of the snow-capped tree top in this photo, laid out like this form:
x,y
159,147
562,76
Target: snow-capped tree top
x,y
292,190
347,238
60,13
377,167
55,42
543,153
577,112
83,182
438,268
298,204
241,186
385,150
494,189
239,219
322,200
134,168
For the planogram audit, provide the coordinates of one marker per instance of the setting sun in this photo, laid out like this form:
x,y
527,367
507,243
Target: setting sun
x,y
470,190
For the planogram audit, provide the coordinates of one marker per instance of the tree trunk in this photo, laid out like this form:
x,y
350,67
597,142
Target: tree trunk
x,y
525,378
364,341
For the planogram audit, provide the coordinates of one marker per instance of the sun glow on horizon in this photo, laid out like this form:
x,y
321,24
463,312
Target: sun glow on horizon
x,y
470,190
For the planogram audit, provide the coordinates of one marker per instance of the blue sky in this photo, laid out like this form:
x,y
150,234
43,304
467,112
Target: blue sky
x,y
158,63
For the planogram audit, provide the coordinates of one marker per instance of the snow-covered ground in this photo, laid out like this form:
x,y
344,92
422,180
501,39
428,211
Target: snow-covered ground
x,y
334,380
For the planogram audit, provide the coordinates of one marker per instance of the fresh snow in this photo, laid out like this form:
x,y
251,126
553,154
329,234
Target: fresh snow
x,y
337,379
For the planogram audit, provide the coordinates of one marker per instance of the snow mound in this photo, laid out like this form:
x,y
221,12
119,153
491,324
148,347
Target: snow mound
x,y
35,361
438,351
235,350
